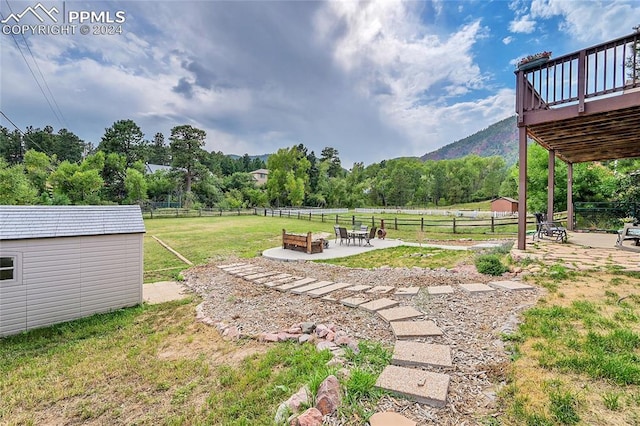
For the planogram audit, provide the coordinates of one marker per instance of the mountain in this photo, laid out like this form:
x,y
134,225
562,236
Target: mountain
x,y
263,157
500,138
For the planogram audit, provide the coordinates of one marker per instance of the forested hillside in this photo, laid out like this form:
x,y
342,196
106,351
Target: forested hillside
x,y
499,139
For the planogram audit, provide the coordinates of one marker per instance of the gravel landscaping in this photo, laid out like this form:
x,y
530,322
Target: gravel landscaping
x,y
471,324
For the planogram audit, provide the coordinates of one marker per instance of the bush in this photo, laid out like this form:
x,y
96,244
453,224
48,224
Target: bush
x,y
490,264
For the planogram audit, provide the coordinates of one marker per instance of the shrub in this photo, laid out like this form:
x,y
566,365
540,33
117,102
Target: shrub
x,y
490,264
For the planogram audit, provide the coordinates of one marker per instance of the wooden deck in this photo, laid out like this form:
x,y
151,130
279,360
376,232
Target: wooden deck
x,y
584,106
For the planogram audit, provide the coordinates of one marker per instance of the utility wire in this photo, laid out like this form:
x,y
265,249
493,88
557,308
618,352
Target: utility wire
x,y
24,135
33,74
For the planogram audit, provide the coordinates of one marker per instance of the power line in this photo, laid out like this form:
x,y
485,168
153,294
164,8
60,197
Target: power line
x,y
41,74
24,135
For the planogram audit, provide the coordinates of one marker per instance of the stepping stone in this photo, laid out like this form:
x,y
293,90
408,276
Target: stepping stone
x,y
360,287
423,387
390,418
399,313
326,290
240,268
231,265
477,288
298,283
418,354
260,275
413,329
247,273
328,298
275,283
271,278
380,289
354,302
440,289
510,285
312,286
376,305
407,291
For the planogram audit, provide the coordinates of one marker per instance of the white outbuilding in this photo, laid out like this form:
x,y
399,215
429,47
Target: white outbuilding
x,y
59,263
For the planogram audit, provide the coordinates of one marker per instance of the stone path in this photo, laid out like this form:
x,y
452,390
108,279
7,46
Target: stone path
x,y
409,374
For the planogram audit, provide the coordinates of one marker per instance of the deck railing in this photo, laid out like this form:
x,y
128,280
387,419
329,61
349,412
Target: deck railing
x,y
600,70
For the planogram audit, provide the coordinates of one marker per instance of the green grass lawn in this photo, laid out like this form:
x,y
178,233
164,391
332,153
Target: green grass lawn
x,y
202,239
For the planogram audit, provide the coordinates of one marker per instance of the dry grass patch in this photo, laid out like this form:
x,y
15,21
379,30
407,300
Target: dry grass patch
x,y
577,354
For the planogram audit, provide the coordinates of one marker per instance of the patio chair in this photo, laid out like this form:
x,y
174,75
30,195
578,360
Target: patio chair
x,y
364,227
371,236
555,230
336,230
357,225
343,235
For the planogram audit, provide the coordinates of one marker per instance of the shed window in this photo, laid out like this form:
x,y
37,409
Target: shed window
x,y
7,268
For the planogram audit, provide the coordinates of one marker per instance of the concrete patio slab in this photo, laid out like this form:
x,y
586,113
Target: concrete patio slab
x,y
335,250
418,354
439,289
312,286
510,285
163,291
328,289
376,305
415,329
406,291
424,387
477,288
354,302
294,284
399,313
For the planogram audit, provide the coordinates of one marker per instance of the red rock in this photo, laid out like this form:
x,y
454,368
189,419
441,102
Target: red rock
x,y
322,345
304,338
328,397
311,417
231,333
303,396
321,330
330,336
295,330
269,337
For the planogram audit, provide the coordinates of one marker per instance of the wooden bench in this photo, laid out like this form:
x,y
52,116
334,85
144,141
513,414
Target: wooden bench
x,y
303,242
630,232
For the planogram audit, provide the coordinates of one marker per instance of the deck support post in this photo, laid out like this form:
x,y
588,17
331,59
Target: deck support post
x,y
551,184
522,189
570,224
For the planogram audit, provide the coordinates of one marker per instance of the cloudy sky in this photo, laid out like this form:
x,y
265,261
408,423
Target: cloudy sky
x,y
376,80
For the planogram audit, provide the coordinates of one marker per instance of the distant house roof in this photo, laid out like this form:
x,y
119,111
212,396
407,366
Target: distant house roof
x,y
511,200
20,222
260,171
152,168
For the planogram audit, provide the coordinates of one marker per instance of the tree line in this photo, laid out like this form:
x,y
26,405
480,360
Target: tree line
x,y
40,166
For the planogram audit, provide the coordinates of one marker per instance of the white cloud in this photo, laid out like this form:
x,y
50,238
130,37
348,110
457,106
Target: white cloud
x,y
507,40
523,24
590,21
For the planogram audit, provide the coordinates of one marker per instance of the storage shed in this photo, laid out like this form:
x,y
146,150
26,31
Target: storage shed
x,y
504,204
59,263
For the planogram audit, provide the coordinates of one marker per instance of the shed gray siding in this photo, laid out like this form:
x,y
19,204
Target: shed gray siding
x,y
69,278
65,278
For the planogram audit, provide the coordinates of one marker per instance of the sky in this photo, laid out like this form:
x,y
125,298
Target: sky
x,y
375,80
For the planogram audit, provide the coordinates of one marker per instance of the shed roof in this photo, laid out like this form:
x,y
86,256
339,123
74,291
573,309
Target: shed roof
x,y
511,200
21,222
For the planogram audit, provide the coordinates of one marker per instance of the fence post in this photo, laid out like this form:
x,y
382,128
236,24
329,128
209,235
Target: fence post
x,y
493,230
298,215
265,212
151,213
454,224
199,212
337,221
238,211
220,211
309,216
422,224
322,216
176,212
353,220
395,222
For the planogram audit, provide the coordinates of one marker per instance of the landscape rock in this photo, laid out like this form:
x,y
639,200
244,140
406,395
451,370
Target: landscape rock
x,y
295,402
328,397
311,417
307,327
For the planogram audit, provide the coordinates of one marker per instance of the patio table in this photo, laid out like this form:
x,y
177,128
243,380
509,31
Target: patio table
x,y
359,234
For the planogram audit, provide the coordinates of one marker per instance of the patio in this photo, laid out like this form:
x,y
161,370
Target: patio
x,y
584,250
